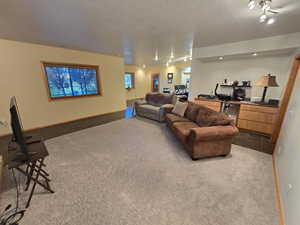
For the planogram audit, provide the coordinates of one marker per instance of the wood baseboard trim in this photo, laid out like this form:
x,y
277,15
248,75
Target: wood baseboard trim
x,y
68,121
133,99
278,192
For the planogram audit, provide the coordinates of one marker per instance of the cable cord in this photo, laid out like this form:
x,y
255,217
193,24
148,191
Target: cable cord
x,y
13,216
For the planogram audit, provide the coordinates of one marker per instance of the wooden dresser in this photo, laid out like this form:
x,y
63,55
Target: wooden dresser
x,y
257,118
253,117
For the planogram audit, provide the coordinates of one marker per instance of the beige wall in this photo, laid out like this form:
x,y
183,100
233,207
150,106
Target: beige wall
x,y
205,75
22,76
143,78
176,69
287,156
142,82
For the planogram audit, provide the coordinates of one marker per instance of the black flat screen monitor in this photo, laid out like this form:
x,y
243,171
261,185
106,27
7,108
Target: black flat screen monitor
x,y
16,126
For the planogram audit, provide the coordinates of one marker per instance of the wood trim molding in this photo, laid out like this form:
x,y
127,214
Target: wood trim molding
x,y
67,121
277,192
152,83
132,79
286,99
84,66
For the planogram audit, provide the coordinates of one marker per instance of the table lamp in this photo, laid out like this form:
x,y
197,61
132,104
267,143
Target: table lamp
x,y
267,81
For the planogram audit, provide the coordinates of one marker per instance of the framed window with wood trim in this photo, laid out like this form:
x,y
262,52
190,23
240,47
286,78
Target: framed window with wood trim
x,y
129,80
71,80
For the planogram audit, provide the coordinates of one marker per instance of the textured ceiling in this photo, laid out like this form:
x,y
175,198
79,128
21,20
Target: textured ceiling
x,y
137,29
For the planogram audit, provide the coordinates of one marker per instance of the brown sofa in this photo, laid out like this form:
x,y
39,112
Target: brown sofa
x,y
155,106
204,132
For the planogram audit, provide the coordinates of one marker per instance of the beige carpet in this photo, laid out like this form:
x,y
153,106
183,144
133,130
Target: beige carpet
x,y
135,172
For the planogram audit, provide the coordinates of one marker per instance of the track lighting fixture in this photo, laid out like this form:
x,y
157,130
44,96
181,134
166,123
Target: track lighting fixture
x,y
251,4
265,7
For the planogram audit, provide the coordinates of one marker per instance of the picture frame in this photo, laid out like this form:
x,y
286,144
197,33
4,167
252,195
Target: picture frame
x,y
170,78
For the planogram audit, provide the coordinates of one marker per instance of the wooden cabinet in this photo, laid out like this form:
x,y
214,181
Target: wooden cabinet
x,y
257,118
212,104
252,117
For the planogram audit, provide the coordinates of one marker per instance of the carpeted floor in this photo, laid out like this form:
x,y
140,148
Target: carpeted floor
x,y
135,172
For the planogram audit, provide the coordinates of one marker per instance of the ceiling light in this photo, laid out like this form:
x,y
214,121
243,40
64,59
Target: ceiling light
x,y
271,20
267,11
156,58
191,57
221,58
172,55
185,59
265,5
263,18
144,66
254,54
251,4
167,64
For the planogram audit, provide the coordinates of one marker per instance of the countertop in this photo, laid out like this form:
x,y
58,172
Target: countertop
x,y
237,102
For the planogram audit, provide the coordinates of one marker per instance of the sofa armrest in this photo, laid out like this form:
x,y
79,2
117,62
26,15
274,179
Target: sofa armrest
x,y
213,133
167,108
140,102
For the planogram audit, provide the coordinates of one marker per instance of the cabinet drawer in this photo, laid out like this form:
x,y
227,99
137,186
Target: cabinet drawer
x,y
210,104
258,116
256,126
257,108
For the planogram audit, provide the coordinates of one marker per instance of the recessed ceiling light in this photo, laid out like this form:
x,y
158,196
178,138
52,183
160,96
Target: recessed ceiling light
x,y
172,55
221,58
270,21
254,54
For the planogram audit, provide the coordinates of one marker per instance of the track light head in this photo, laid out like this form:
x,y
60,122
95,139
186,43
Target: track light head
x,y
251,4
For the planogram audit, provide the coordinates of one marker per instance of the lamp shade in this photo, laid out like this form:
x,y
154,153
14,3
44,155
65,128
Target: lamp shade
x,y
267,81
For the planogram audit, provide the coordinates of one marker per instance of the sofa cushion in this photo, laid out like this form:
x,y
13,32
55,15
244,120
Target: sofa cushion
x,y
183,129
149,108
192,111
158,99
208,117
179,108
172,118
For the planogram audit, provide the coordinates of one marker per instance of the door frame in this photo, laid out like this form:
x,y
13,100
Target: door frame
x,y
152,83
286,100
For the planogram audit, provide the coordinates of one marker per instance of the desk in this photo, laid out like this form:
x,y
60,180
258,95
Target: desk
x,y
35,166
251,116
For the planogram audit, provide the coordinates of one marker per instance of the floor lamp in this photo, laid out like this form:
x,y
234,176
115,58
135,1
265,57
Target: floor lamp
x,y
267,81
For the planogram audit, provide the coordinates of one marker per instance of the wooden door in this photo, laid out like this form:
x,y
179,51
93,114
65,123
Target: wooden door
x,y
155,82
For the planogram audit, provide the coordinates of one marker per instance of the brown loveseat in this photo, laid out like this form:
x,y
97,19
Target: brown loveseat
x,y
155,106
204,132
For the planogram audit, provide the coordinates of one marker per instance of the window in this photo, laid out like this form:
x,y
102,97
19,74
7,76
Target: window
x,y
69,80
129,80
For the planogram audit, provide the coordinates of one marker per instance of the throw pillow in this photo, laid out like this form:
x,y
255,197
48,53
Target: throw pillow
x,y
179,108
